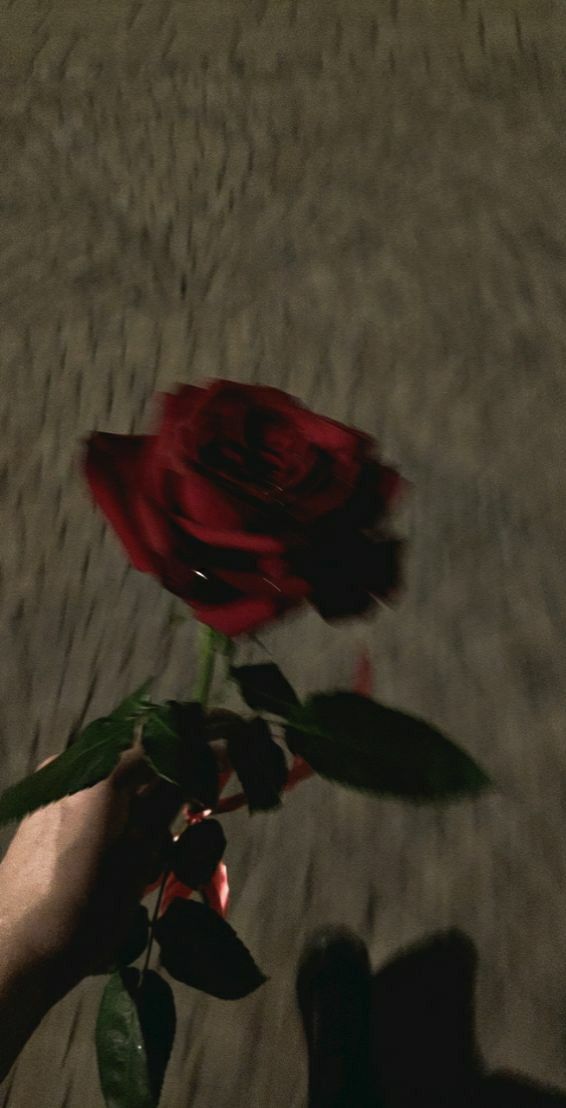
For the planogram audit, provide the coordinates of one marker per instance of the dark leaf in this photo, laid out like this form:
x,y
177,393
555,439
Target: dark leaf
x,y
351,739
136,940
259,763
187,719
200,949
220,723
135,1029
200,776
90,759
265,688
175,745
158,1022
197,853
199,772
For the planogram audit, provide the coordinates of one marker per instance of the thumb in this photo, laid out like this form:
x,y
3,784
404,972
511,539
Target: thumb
x,y
46,762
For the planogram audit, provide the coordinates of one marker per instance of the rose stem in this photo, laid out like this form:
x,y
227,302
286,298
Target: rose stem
x,y
210,640
208,647
228,649
151,926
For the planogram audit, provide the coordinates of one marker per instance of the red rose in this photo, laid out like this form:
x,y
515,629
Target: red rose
x,y
245,504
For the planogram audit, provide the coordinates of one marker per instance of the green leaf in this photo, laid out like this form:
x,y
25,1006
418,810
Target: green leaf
x,y
355,741
131,708
259,763
89,760
265,688
135,704
135,1029
175,746
200,949
197,852
136,940
162,745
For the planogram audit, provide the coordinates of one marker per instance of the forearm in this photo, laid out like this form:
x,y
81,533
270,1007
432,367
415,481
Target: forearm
x,y
69,886
27,992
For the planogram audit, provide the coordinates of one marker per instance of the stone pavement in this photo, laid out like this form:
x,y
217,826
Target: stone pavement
x,y
363,203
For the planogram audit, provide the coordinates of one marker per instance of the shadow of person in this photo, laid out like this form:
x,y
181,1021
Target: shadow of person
x,y
422,1040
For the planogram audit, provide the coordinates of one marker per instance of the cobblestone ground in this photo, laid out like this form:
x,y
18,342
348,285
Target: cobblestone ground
x,y
364,203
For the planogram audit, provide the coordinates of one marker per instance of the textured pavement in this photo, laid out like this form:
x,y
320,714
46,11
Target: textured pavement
x,y
363,203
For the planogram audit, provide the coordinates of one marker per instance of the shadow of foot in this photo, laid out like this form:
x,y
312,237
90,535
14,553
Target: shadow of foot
x,y
404,1038
423,1044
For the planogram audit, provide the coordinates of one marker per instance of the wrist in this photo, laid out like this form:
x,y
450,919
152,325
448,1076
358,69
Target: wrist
x,y
32,943
24,967
29,987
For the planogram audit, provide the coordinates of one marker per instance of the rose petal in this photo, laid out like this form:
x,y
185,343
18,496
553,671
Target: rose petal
x,y
221,415
341,600
363,675
199,500
333,493
180,406
239,427
217,892
173,889
175,417
153,885
266,580
333,437
195,586
114,467
235,540
391,485
258,396
223,778
300,771
231,803
347,577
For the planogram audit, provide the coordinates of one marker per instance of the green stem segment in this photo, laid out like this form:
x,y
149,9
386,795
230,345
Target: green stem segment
x,y
212,644
206,665
151,926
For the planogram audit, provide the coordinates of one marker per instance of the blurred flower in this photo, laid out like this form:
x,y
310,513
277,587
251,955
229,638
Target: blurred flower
x,y
244,503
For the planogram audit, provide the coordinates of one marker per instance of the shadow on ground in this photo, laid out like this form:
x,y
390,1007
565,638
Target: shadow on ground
x,y
424,1049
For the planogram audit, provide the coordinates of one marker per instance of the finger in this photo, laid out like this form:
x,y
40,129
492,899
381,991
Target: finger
x,y
46,761
154,809
133,770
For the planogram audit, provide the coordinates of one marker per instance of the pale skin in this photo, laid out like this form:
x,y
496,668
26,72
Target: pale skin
x,y
69,885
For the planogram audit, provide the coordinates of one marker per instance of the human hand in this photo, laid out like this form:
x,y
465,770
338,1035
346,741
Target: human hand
x,y
76,870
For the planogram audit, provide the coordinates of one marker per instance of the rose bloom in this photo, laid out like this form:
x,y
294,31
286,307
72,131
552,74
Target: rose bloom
x,y
245,504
